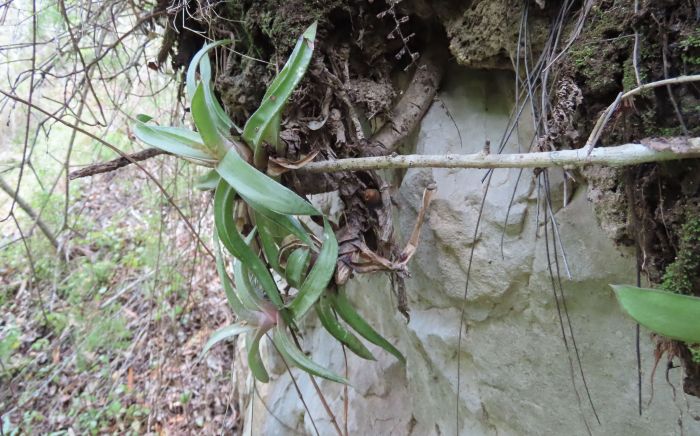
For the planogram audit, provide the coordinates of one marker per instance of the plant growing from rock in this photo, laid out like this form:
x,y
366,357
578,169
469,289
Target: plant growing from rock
x,y
675,316
672,310
257,220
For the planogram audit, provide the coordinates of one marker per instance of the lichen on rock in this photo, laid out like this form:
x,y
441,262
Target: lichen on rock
x,y
484,33
609,200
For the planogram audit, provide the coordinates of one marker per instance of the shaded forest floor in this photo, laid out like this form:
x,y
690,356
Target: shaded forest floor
x,y
109,341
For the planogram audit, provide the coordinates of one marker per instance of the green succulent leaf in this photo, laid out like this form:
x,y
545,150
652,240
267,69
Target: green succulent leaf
x,y
181,142
236,245
224,334
205,120
297,262
208,181
201,60
294,356
345,310
669,314
338,331
267,241
280,225
234,301
259,190
247,292
264,123
254,360
319,276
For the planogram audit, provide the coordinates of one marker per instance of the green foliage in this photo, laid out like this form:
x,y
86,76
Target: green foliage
x,y
690,47
695,352
93,419
9,342
673,310
264,124
666,313
681,275
256,221
109,331
685,270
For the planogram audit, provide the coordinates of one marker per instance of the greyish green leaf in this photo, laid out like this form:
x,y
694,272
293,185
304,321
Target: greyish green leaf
x,y
255,362
181,142
297,262
225,333
234,301
261,190
233,241
281,225
208,181
672,315
280,90
294,356
201,60
269,246
205,121
338,331
345,310
319,276
248,294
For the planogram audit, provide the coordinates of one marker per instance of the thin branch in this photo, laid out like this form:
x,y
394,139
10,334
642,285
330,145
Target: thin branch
x,y
602,121
124,155
414,103
115,164
29,113
29,211
621,155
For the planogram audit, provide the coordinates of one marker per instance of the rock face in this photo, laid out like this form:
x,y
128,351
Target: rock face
x,y
515,371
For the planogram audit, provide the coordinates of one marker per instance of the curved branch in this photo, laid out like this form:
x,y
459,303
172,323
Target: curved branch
x,y
414,103
605,116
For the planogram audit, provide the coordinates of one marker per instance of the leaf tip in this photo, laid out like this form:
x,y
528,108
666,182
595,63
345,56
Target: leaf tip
x,y
310,32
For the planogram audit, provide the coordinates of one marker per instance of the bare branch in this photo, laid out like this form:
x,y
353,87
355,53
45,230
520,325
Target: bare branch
x,y
117,150
621,155
603,120
115,164
29,211
414,102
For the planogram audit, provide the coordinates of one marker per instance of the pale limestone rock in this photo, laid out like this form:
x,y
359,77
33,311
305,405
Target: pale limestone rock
x,y
515,374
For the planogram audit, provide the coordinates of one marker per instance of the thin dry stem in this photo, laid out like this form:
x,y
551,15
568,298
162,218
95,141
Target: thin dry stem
x,y
602,121
621,155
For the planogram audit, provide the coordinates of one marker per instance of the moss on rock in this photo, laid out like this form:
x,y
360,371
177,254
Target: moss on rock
x,y
282,21
683,275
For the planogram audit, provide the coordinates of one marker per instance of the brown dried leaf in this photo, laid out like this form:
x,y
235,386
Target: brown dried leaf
x,y
412,244
277,166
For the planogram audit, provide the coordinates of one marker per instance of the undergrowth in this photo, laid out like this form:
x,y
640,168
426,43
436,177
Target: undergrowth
x,y
76,322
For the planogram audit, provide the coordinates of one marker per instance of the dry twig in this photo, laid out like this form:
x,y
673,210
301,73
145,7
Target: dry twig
x,y
602,121
621,155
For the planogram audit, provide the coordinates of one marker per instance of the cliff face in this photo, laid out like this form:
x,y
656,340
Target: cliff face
x,y
515,369
527,342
